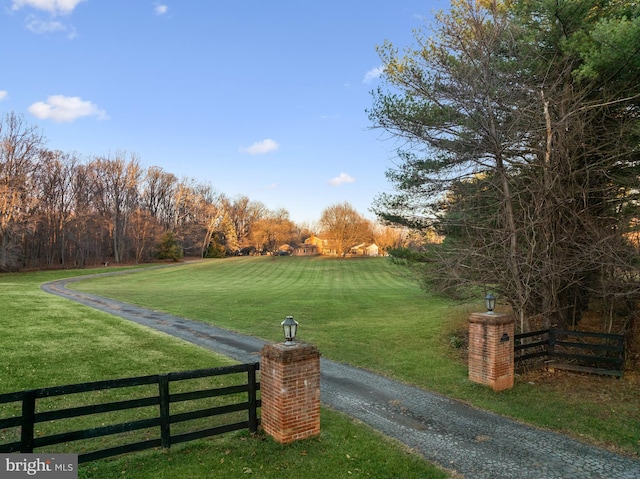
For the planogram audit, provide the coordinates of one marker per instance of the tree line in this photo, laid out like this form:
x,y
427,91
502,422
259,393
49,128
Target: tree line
x,y
58,210
520,124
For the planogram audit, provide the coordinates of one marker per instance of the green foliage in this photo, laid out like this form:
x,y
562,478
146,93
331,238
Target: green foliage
x,y
610,51
457,342
169,248
215,249
408,255
520,123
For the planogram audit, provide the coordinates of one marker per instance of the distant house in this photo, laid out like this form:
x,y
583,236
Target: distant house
x,y
365,250
322,246
357,250
311,246
314,245
315,241
305,250
372,250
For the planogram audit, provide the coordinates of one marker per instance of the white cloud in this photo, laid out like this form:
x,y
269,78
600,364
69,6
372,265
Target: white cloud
x,y
62,7
341,179
161,9
261,147
3,94
40,27
373,74
62,108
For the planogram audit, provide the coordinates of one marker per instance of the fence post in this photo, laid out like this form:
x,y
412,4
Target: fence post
x,y
491,354
28,421
551,347
290,391
165,425
253,398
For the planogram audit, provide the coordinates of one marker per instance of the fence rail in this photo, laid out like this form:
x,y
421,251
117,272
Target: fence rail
x,y
580,351
531,349
30,416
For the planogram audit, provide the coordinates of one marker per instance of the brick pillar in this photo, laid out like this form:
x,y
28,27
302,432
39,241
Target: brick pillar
x,y
290,391
491,350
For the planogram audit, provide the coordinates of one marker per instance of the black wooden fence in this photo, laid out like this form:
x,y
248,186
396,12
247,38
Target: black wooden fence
x,y
580,351
163,419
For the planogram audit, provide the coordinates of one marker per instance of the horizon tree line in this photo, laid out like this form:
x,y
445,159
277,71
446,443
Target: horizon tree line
x,y
60,210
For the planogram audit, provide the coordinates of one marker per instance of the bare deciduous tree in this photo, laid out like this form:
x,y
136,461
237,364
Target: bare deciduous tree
x,y
20,145
271,231
54,182
117,181
145,232
344,225
158,195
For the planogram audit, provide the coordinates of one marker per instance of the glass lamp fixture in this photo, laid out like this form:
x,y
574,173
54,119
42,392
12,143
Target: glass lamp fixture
x,y
490,301
290,328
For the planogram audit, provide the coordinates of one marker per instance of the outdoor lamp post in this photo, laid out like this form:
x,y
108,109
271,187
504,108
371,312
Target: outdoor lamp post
x,y
290,327
490,301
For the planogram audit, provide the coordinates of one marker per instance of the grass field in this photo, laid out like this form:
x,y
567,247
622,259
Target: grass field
x,y
49,341
360,311
367,312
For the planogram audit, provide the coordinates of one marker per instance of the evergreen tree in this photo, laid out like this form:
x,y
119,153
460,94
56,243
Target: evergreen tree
x,y
521,145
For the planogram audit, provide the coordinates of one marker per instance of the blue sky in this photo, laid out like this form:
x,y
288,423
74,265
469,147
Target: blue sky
x,y
262,99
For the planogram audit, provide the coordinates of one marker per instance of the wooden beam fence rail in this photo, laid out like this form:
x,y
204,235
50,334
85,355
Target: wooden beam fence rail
x,y
572,348
29,415
537,348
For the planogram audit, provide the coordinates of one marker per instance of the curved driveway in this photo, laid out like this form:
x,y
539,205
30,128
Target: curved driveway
x,y
474,443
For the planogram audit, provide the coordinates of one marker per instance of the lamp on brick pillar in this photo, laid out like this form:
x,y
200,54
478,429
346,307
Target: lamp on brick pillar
x,y
491,349
290,327
490,302
290,387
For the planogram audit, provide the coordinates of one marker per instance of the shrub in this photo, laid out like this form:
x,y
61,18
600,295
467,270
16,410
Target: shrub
x,y
169,247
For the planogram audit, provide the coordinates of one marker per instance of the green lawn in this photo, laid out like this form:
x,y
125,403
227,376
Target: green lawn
x,y
344,449
49,341
368,312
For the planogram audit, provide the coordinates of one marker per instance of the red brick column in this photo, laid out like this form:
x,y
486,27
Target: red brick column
x,y
290,391
491,350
